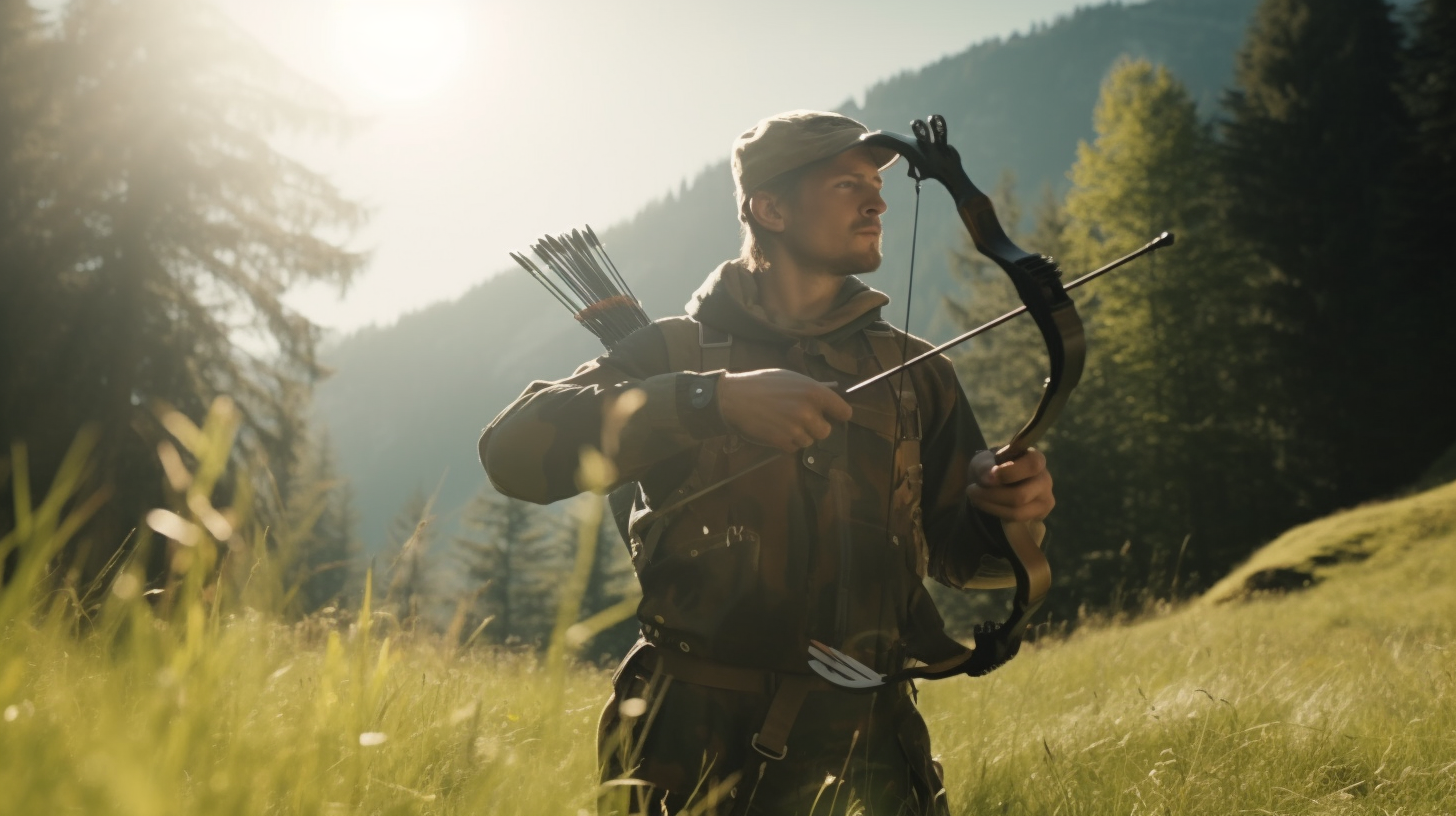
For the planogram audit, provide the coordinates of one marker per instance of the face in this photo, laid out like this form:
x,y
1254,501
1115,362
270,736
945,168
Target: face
x,y
832,221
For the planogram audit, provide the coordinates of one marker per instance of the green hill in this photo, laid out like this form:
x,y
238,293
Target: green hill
x,y
409,400
1336,698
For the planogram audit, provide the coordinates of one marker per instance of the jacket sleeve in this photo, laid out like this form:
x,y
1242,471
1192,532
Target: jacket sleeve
x,y
624,403
957,534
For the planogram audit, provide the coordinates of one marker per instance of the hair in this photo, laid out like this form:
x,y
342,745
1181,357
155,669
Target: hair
x,y
785,187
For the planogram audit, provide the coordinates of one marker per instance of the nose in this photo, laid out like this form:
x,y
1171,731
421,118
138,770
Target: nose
x,y
875,205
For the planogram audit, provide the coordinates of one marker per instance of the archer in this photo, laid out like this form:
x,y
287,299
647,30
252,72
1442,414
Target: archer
x,y
886,485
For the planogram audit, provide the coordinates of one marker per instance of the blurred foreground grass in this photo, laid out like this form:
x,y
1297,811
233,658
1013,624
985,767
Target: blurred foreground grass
x,y
1340,698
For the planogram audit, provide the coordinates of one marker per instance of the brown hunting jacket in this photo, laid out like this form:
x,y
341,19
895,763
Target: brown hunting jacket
x,y
828,544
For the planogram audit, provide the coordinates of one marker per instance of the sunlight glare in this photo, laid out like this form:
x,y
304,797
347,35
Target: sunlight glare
x,y
399,50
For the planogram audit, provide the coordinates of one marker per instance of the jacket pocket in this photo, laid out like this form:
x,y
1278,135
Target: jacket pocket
x,y
697,585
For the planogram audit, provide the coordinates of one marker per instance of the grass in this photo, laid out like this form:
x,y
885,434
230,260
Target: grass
x,y
1340,698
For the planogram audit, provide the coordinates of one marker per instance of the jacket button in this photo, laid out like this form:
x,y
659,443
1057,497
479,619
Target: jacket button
x,y
683,646
895,540
810,460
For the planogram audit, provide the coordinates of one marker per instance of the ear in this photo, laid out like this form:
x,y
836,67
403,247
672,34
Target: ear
x,y
765,208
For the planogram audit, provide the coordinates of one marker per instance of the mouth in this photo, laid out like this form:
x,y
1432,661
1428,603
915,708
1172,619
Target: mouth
x,y
869,231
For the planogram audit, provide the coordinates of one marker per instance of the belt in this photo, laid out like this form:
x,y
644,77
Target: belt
x,y
788,690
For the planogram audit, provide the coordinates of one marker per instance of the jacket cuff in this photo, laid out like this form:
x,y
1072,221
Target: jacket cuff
x,y
697,404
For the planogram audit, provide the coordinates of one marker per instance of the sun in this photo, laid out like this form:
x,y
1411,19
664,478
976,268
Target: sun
x,y
399,50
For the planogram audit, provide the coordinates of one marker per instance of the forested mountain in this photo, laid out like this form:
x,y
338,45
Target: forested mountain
x,y
409,400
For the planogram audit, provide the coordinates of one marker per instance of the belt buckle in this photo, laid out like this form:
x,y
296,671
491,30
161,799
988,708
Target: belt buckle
x,y
759,747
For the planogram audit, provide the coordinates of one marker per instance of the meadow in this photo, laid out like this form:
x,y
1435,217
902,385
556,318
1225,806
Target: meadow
x,y
1338,697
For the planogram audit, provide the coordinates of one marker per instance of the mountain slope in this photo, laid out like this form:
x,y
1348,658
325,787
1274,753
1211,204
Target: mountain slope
x,y
409,400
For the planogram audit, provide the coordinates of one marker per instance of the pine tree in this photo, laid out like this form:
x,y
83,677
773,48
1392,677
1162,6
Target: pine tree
x,y
612,579
1313,134
515,556
1425,238
409,584
1169,406
161,229
23,125
328,560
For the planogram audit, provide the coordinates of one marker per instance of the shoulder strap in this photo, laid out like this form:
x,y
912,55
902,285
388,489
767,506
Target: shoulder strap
x,y
716,347
691,346
694,346
888,346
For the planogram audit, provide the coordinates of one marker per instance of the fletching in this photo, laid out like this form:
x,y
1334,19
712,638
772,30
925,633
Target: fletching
x,y
841,669
584,280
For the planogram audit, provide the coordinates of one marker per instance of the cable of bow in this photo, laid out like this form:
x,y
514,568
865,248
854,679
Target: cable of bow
x,y
904,355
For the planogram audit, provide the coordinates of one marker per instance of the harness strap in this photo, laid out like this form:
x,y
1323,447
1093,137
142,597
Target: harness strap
x,y
772,739
905,491
789,693
713,352
715,348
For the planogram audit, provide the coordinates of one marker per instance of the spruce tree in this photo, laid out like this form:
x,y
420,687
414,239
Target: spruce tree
x,y
161,228
514,554
1168,410
408,579
327,561
1313,132
1425,238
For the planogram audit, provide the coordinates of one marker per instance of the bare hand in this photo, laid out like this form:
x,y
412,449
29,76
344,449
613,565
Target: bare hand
x,y
1018,490
780,408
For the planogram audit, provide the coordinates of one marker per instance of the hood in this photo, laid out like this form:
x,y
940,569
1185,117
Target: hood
x,y
728,300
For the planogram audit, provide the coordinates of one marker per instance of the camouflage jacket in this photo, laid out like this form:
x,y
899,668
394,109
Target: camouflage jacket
x,y
830,544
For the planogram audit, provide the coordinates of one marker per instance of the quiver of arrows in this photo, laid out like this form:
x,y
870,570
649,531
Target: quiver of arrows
x,y
584,280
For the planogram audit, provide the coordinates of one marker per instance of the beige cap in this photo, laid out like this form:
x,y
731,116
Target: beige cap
x,y
791,140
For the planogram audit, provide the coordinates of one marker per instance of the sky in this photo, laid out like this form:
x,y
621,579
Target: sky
x,y
488,124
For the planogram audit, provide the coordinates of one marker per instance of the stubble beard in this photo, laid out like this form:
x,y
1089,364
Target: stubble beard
x,y
863,263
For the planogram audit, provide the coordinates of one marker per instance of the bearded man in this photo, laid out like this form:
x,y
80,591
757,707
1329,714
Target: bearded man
x,y
716,708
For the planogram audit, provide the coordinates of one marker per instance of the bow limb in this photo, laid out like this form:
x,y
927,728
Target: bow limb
x,y
1037,279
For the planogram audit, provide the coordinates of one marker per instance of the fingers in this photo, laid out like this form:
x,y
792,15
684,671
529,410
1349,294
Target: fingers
x,y
1030,501
781,408
987,472
833,405
1019,490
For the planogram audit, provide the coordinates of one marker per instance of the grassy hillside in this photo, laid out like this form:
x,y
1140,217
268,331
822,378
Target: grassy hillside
x,y
1339,698
409,400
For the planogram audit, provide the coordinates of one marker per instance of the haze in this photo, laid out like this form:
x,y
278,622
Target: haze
x,y
488,124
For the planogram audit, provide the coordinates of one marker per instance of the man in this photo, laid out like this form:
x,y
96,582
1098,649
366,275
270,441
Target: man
x,y
716,708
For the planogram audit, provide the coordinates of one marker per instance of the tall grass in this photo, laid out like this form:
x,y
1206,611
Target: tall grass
x,y
196,700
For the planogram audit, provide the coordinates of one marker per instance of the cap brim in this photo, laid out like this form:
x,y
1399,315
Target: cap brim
x,y
884,156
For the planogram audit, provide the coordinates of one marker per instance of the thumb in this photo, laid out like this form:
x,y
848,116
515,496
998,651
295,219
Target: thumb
x,y
834,406
983,469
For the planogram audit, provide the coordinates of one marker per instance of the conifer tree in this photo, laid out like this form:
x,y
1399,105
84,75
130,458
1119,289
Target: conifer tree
x,y
1168,406
327,559
409,582
1425,238
514,553
163,228
612,579
1313,135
